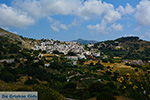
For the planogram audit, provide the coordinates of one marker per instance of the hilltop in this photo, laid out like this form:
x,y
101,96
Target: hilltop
x,y
125,47
12,44
13,38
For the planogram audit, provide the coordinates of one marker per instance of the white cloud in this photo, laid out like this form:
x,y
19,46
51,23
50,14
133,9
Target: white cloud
x,y
12,17
117,27
57,25
98,28
143,12
92,8
87,10
128,9
111,16
33,7
104,28
42,8
108,16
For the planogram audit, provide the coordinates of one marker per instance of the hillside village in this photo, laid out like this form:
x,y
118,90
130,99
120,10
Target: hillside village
x,y
74,49
69,70
65,47
57,48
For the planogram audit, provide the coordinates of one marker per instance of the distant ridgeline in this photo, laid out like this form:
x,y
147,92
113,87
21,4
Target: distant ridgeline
x,y
126,48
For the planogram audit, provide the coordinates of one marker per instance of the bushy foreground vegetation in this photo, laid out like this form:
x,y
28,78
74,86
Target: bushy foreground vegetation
x,y
57,78
61,79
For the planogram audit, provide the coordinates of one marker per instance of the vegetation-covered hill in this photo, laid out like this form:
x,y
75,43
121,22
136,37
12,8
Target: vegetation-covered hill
x,y
126,47
12,44
56,77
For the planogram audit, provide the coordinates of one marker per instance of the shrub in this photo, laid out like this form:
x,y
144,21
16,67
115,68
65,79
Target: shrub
x,y
7,77
31,82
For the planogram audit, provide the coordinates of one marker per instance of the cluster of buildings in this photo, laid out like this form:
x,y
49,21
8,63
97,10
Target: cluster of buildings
x,y
64,47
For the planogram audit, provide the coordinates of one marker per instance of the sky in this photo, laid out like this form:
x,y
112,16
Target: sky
x,y
72,19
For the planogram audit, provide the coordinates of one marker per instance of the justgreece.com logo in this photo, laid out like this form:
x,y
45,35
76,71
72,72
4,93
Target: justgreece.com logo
x,y
18,96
